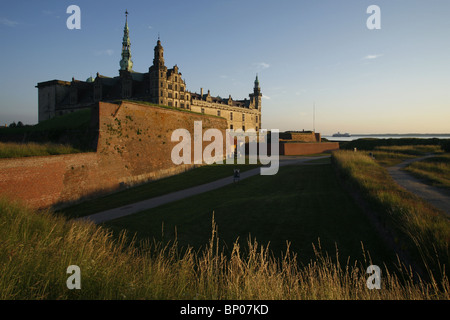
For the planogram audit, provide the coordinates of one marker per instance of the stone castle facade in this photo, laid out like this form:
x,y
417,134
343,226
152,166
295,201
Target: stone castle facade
x,y
160,85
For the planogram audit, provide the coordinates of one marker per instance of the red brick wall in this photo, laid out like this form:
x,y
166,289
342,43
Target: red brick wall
x,y
300,136
134,146
290,149
41,181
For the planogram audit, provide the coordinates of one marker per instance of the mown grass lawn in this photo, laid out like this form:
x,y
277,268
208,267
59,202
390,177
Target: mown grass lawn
x,y
300,205
153,189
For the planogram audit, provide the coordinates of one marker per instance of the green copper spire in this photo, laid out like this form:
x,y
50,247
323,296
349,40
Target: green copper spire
x,y
126,63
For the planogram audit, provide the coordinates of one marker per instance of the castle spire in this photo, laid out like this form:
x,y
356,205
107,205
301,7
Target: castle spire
x,y
256,82
126,64
256,96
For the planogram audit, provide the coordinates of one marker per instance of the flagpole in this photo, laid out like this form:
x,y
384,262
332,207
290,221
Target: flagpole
x,y
314,117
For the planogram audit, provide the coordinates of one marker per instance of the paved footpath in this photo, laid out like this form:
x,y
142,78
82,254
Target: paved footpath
x,y
178,195
437,197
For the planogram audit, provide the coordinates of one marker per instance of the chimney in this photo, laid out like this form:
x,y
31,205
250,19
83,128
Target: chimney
x,y
201,92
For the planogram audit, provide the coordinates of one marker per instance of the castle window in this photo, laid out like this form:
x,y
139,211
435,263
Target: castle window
x,y
176,103
218,113
257,128
243,128
256,118
231,115
176,95
176,87
243,117
203,110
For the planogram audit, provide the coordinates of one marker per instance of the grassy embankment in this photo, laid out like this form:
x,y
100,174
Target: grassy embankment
x,y
36,249
392,155
435,170
392,151
70,133
32,149
418,228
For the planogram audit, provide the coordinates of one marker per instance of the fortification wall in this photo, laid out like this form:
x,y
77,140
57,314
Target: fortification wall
x,y
300,136
134,146
298,149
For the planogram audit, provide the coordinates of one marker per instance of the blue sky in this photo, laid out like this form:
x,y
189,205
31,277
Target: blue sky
x,y
393,80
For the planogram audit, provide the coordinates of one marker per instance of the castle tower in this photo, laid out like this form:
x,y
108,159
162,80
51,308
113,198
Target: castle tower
x,y
126,64
158,72
158,60
257,95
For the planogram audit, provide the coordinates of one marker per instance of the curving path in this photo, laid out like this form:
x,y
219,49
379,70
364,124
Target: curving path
x,y
437,197
174,196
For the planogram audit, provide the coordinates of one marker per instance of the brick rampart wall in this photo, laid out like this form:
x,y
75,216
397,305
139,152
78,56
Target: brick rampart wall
x,y
134,146
291,149
300,136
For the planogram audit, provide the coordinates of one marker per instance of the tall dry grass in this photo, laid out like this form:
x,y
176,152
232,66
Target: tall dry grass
x,y
419,229
37,247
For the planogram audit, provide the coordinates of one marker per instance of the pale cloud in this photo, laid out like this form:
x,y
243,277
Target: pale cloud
x,y
266,97
372,56
50,13
108,52
262,65
8,23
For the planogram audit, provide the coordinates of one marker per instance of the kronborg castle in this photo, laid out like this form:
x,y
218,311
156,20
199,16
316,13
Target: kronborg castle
x,y
131,141
160,85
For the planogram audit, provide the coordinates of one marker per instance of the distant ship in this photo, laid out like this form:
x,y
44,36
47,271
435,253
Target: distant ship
x,y
341,134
